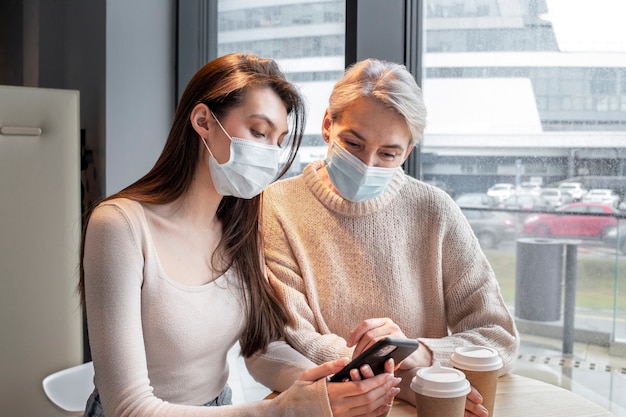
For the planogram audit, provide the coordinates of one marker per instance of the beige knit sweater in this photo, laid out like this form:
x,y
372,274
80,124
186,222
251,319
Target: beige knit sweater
x,y
408,254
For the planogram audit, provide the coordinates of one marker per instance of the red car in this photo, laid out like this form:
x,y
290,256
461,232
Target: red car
x,y
578,222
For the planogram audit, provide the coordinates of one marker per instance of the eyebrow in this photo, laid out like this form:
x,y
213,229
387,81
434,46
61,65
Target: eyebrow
x,y
267,119
360,137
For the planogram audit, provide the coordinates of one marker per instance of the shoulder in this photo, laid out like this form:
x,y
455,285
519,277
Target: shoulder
x,y
429,197
284,192
285,185
116,216
116,228
117,208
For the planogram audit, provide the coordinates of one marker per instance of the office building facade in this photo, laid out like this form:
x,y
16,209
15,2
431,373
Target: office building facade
x,y
508,97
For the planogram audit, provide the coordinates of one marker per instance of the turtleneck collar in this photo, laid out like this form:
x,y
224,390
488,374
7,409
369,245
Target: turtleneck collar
x,y
338,204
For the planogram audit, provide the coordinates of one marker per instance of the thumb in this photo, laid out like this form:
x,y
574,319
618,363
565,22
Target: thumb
x,y
324,370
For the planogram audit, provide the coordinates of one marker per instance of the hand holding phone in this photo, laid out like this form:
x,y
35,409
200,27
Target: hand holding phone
x,y
376,356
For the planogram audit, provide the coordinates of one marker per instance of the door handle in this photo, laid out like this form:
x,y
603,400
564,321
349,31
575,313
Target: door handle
x,y
20,131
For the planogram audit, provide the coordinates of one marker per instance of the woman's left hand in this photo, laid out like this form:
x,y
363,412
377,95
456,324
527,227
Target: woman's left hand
x,y
369,396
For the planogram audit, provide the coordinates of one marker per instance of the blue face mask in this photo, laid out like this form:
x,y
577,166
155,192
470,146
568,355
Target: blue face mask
x,y
354,180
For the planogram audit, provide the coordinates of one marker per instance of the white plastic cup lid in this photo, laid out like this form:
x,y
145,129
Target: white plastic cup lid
x,y
440,382
476,358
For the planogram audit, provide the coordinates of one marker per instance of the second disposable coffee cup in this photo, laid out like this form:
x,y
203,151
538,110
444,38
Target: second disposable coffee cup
x,y
440,392
480,365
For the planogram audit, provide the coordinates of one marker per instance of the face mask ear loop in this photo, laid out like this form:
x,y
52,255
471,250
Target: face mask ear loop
x,y
207,146
221,127
223,130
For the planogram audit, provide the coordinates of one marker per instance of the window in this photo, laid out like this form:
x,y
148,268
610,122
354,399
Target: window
x,y
542,82
517,91
308,41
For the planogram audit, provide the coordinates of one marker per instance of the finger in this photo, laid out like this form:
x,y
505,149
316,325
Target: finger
x,y
378,412
475,410
390,366
382,410
363,328
324,370
473,404
355,375
366,371
379,398
363,344
362,398
474,396
385,328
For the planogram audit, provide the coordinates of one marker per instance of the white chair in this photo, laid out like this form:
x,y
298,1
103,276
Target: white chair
x,y
69,389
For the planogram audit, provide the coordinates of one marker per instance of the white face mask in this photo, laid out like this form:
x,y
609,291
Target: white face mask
x,y
355,180
252,166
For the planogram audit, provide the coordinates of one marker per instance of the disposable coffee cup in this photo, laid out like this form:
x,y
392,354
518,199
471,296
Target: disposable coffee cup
x,y
440,392
480,365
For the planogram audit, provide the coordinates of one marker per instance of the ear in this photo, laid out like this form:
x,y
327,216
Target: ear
x,y
327,122
200,118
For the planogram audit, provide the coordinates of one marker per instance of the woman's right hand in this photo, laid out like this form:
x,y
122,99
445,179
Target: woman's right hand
x,y
368,397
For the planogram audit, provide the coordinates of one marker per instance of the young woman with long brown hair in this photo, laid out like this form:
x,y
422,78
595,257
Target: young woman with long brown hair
x,y
172,274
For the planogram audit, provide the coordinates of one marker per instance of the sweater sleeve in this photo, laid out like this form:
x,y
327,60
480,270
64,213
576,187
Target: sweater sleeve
x,y
278,367
113,265
474,309
306,331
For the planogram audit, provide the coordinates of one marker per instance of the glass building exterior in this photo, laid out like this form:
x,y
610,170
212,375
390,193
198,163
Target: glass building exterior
x,y
306,38
535,106
508,99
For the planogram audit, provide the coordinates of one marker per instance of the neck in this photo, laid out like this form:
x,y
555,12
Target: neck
x,y
197,207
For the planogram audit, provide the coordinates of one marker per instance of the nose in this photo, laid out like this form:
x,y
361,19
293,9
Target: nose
x,y
368,158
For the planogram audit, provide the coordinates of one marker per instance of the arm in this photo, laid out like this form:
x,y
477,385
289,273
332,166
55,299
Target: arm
x,y
474,309
461,290
306,331
303,330
113,280
471,306
113,277
278,367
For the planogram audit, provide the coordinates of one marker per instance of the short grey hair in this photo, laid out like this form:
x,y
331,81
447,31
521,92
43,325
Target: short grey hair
x,y
388,83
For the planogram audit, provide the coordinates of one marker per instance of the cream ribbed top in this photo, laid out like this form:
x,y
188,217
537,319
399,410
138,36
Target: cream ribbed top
x,y
159,346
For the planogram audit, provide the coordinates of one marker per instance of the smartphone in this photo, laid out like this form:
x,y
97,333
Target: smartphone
x,y
376,356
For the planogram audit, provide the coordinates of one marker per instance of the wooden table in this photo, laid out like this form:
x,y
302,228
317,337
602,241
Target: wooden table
x,y
518,396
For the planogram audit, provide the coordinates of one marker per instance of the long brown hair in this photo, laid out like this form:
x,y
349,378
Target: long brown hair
x,y
222,84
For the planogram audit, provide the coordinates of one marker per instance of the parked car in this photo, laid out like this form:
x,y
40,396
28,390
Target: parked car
x,y
491,227
475,200
529,188
575,189
602,195
501,191
525,202
576,222
555,197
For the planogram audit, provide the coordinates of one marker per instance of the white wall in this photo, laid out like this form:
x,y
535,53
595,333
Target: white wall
x,y
140,63
120,55
40,225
